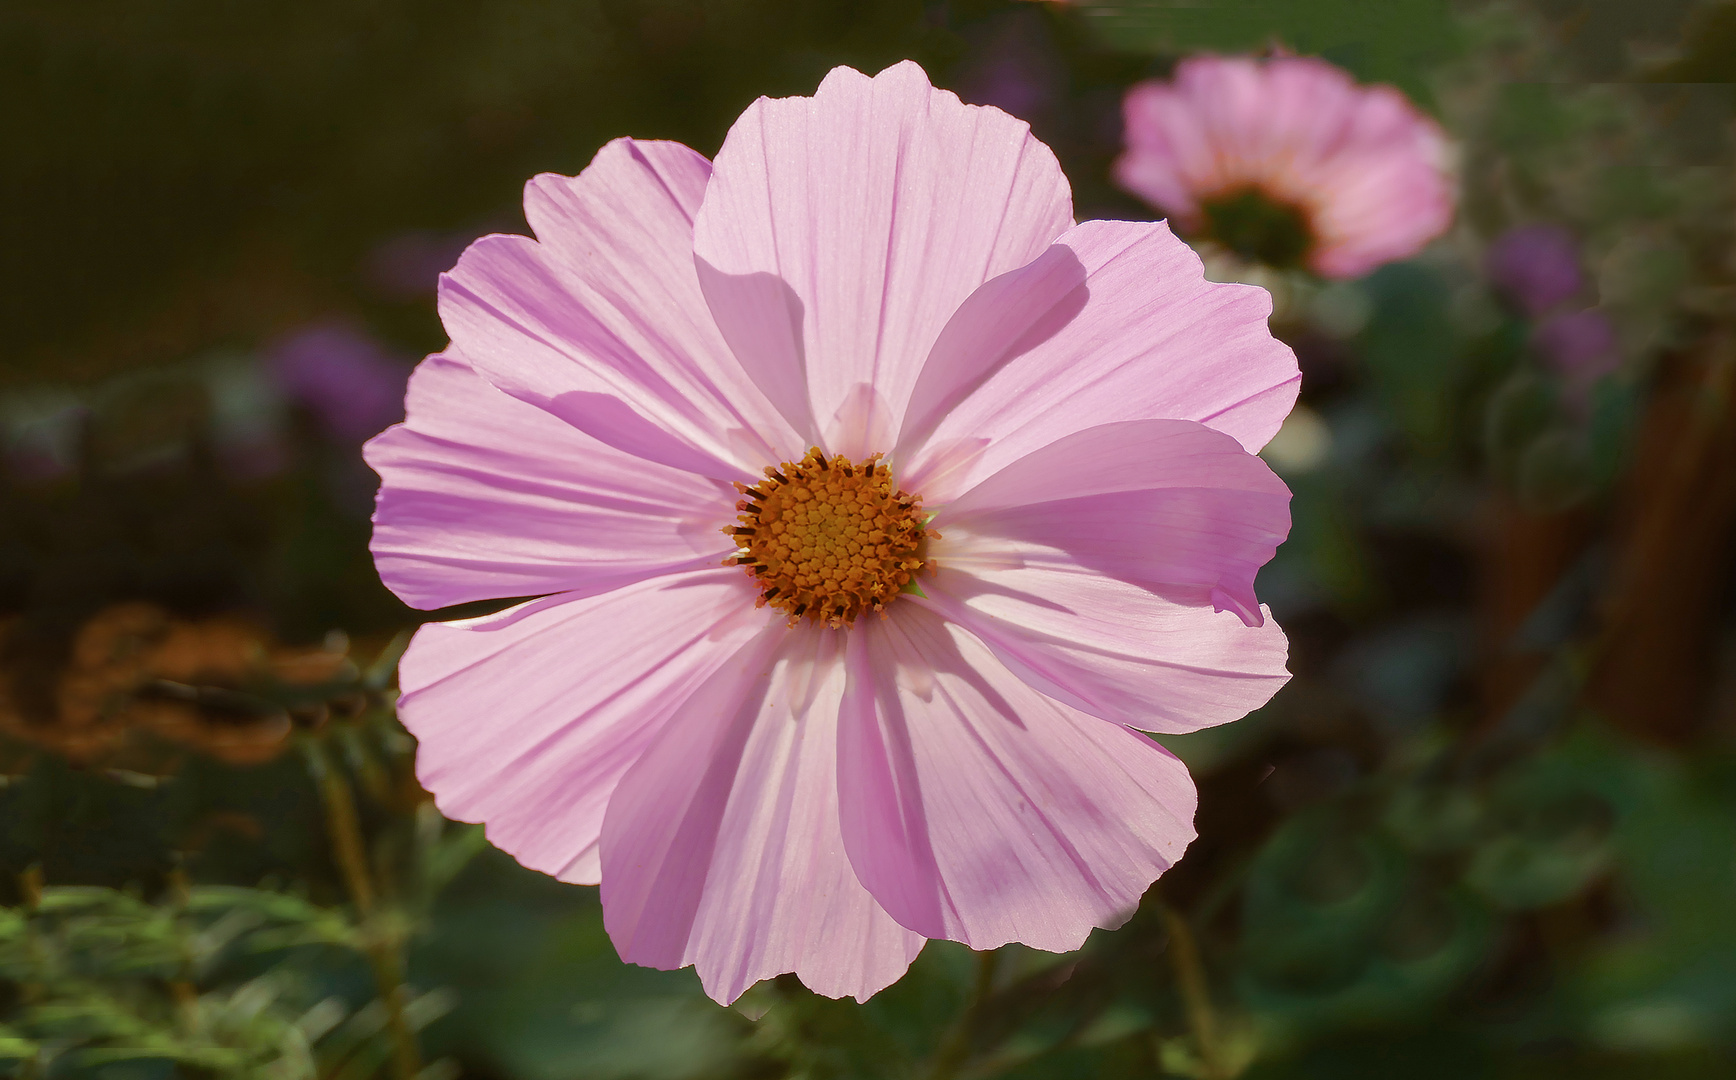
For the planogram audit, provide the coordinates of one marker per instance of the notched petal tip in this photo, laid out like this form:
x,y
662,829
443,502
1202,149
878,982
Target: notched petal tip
x,y
1239,599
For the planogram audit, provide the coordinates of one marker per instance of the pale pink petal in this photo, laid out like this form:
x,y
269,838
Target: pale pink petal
x,y
722,849
1158,660
881,204
1372,170
600,320
1007,316
1152,502
526,720
1169,156
1152,340
977,809
483,495
1392,198
761,318
1092,568
1269,114
1233,107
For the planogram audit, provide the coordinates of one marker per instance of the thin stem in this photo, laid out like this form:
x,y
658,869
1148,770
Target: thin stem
x,y
956,1049
183,988
345,830
1190,978
30,991
382,941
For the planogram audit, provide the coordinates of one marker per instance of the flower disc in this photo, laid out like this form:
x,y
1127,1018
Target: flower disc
x,y
829,539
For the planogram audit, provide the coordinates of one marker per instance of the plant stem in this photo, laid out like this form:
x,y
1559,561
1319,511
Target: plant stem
x,y
1190,978
382,941
344,827
956,1049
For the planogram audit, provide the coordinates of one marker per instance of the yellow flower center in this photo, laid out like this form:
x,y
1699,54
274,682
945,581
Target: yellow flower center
x,y
828,539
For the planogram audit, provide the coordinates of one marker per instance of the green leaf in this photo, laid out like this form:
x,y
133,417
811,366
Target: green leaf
x,y
15,1047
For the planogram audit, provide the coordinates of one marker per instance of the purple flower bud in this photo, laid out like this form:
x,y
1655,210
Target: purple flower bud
x,y
1537,266
1580,345
345,378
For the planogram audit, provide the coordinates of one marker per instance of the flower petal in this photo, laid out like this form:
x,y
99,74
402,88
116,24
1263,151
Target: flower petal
x,y
1182,138
1152,340
1371,166
1152,502
975,808
600,320
882,204
1091,568
1145,659
483,495
527,719
1007,316
721,847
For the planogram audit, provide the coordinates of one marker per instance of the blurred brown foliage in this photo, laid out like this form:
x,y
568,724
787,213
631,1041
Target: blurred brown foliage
x,y
139,684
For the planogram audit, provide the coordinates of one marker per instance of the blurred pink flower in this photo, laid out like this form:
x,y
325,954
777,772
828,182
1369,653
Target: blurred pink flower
x,y
1289,161
665,416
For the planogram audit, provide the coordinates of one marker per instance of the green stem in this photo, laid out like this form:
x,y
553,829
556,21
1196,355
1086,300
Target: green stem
x,y
29,990
1190,978
383,941
183,988
956,1049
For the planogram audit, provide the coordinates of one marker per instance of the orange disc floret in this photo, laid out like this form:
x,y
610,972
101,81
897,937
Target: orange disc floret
x,y
828,539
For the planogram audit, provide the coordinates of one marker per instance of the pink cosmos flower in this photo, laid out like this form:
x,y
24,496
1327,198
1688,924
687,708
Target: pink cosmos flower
x,y
871,504
1288,161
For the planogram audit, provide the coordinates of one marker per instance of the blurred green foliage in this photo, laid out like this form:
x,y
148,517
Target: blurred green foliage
x,y
1395,41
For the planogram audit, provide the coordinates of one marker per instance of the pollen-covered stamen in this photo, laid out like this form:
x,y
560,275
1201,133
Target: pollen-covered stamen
x,y
828,538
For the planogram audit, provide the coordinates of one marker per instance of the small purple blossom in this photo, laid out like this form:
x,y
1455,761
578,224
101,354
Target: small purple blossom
x,y
344,377
1581,346
1536,266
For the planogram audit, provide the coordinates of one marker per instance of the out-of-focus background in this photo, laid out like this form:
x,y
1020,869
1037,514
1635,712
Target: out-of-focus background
x,y
1489,830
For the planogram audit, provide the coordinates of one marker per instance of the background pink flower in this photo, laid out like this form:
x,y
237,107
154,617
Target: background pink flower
x,y
877,269
1287,160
